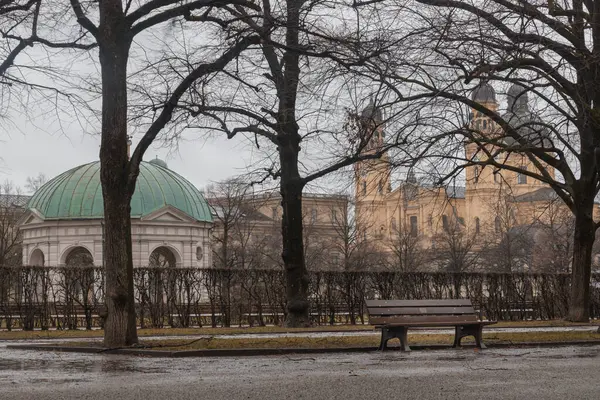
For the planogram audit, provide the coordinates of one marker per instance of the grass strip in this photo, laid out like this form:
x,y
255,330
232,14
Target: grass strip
x,y
67,334
514,338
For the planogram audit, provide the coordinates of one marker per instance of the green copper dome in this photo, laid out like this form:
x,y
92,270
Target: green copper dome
x,y
77,194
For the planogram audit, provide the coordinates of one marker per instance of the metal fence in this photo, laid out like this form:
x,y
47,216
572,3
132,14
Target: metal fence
x,y
73,297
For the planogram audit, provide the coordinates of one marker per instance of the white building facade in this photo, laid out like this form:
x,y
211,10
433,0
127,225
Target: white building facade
x,y
170,220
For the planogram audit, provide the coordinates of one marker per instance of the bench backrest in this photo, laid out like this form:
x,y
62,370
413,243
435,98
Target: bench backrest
x,y
383,312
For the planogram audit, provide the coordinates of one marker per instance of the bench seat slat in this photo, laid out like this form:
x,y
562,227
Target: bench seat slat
x,y
415,319
422,310
434,324
418,303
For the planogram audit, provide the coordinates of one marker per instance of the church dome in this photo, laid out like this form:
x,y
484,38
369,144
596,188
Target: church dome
x,y
517,99
529,126
372,112
484,93
159,162
77,194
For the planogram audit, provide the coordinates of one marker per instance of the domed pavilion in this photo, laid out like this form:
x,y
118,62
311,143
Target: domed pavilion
x,y
171,220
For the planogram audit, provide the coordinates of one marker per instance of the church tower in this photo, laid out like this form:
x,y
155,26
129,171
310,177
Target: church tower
x,y
481,125
487,186
372,177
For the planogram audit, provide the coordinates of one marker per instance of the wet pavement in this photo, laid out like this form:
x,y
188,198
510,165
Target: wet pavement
x,y
527,373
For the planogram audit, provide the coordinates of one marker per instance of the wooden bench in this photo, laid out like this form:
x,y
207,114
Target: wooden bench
x,y
394,317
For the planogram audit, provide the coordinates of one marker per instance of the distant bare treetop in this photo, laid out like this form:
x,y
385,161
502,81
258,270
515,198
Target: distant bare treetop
x,y
35,182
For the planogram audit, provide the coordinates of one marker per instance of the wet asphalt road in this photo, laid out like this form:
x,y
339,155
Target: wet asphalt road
x,y
531,373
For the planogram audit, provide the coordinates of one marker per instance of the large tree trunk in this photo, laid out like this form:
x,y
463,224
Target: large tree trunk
x,y
120,326
296,276
583,242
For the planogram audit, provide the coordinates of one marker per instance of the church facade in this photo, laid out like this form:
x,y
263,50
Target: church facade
x,y
490,207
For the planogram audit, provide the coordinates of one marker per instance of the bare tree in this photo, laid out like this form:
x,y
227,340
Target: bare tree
x,y
407,250
547,54
12,207
553,250
457,248
35,182
229,202
349,246
281,98
112,26
20,15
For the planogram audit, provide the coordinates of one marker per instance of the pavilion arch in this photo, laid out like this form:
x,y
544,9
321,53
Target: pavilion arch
x,y
77,255
164,256
37,258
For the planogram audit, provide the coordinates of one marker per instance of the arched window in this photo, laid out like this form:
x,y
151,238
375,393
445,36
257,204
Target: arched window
x,y
162,257
37,258
477,225
497,224
79,281
79,257
476,169
445,222
414,228
161,281
522,178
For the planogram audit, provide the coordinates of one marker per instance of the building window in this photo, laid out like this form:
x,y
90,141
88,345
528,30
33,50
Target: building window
x,y
522,178
199,253
497,224
414,229
477,225
364,188
496,177
476,173
274,212
380,188
430,223
333,215
394,226
313,215
445,222
484,124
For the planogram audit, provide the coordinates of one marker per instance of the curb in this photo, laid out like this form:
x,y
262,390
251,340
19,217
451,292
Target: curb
x,y
275,352
372,329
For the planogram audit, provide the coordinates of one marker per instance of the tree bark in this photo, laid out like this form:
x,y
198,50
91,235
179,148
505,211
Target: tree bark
x,y
296,276
582,263
120,326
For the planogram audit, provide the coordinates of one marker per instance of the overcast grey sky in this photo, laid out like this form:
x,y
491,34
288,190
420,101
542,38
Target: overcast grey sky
x,y
27,149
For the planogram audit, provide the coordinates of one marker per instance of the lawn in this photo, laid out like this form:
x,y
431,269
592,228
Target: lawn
x,y
62,334
513,338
